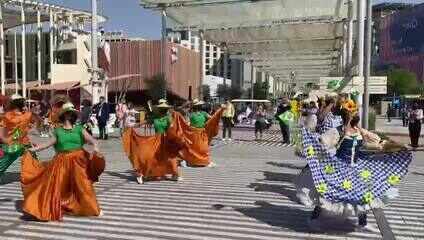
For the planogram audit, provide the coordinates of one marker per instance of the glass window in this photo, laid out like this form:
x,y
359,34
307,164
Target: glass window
x,y
66,56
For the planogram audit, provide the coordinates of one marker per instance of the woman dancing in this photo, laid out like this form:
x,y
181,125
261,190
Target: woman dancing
x,y
198,135
351,181
155,157
65,184
14,131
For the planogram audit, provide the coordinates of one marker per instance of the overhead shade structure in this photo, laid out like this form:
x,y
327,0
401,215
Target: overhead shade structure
x,y
57,86
12,13
282,32
219,14
276,36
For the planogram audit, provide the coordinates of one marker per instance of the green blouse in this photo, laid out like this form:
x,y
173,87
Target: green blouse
x,y
69,139
161,124
198,119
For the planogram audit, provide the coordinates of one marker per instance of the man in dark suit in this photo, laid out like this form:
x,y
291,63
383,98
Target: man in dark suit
x,y
102,116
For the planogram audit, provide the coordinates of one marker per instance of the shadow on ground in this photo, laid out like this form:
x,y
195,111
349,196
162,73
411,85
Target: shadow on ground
x,y
125,176
281,177
292,218
417,173
285,165
285,190
10,177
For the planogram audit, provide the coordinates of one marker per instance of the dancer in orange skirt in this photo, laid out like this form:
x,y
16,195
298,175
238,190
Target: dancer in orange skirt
x,y
155,157
65,184
14,129
199,133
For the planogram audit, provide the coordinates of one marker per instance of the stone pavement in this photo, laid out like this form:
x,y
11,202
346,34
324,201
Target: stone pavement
x,y
392,128
249,195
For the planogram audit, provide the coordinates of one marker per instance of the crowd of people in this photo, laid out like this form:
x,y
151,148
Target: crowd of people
x,y
64,185
349,169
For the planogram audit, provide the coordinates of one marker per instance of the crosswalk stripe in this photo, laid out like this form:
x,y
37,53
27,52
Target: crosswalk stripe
x,y
249,195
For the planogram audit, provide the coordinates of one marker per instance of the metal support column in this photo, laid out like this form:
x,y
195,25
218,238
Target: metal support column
x,y
360,49
39,29
51,32
252,83
164,52
361,37
349,42
15,59
225,66
94,60
2,43
202,46
24,85
368,43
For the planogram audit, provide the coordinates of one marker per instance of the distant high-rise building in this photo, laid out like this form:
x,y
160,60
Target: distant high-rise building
x,y
218,66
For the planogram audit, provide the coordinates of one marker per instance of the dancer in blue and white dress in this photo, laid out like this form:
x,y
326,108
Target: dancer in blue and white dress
x,y
329,129
351,181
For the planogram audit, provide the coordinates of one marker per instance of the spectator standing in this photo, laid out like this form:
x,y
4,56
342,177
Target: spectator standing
x,y
86,111
260,123
130,116
102,116
228,119
389,113
404,114
415,118
121,112
283,107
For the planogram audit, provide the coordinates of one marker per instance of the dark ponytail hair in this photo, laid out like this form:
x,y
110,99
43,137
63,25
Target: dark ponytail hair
x,y
70,116
347,116
18,104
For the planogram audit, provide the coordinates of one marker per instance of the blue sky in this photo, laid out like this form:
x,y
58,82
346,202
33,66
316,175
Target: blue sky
x,y
128,16
124,15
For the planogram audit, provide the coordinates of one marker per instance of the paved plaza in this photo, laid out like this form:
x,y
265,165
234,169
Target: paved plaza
x,y
248,195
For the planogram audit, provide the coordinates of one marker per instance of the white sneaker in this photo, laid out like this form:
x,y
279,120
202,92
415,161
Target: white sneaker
x,y
211,165
230,140
101,214
183,164
176,178
140,180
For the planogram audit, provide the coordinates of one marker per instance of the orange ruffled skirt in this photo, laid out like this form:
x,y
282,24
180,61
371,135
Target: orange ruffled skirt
x,y
63,185
150,156
197,153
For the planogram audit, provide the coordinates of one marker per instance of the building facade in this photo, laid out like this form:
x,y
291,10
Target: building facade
x,y
400,39
143,58
218,66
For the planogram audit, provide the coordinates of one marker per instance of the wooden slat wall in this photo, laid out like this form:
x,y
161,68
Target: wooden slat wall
x,y
144,58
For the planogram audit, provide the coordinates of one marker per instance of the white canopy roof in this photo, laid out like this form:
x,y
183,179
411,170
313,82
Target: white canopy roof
x,y
218,14
277,36
12,13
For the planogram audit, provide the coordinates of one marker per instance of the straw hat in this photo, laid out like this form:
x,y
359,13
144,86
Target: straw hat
x,y
67,107
197,102
163,104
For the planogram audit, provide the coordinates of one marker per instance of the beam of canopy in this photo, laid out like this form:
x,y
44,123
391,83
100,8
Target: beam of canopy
x,y
282,32
12,13
286,46
277,55
218,14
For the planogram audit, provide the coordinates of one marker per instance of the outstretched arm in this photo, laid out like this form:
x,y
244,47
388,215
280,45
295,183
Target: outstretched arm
x,y
88,138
